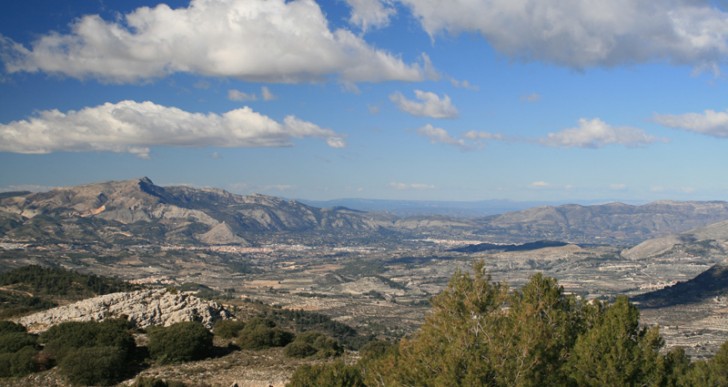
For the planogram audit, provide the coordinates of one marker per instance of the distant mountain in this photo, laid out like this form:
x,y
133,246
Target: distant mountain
x,y
711,240
709,284
607,223
409,208
138,211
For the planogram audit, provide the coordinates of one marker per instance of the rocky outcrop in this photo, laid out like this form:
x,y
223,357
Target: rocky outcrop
x,y
144,308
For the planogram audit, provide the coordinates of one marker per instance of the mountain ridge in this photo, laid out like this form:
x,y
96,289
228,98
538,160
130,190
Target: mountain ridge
x,y
122,210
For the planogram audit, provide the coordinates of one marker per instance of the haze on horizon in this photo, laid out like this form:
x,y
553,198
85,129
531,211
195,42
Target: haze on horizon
x,y
556,101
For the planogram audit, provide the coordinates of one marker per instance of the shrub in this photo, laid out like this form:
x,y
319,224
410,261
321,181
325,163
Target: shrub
x,y
19,363
261,338
93,365
13,341
335,374
62,338
313,343
179,342
299,349
227,329
9,326
23,361
262,333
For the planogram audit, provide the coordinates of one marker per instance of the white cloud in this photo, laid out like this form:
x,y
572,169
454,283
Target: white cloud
x,y
430,105
596,133
410,186
540,184
441,136
618,187
476,135
368,14
710,122
237,95
587,33
134,127
267,94
253,40
464,84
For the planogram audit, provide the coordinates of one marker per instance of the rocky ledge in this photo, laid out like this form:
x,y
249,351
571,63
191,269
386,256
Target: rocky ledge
x,y
144,308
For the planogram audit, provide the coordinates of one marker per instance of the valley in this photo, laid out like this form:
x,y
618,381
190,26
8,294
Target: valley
x,y
373,271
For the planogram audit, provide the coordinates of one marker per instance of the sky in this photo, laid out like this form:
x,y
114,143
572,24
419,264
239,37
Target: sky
x,y
456,100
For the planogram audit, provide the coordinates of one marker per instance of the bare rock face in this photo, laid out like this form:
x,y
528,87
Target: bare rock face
x,y
144,308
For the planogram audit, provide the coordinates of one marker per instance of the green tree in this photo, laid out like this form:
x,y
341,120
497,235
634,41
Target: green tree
x,y
616,351
452,346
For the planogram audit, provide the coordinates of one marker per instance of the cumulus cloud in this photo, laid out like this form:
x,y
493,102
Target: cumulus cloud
x,y
134,127
429,105
368,14
596,133
253,40
581,34
410,186
710,122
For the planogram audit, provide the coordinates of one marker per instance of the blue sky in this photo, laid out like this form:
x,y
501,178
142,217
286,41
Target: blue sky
x,y
571,100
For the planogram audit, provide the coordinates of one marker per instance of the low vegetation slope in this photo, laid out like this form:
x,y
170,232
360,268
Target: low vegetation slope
x,y
32,288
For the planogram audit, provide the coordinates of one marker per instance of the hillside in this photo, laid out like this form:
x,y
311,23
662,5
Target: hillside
x,y
138,211
613,223
709,284
706,242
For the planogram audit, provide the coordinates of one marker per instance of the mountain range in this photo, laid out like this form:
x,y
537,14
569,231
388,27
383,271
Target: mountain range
x,y
141,212
138,211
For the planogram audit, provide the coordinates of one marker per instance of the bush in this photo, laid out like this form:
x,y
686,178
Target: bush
x,y
335,374
299,349
313,343
227,329
262,333
13,341
180,342
18,363
261,338
9,326
94,365
62,338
